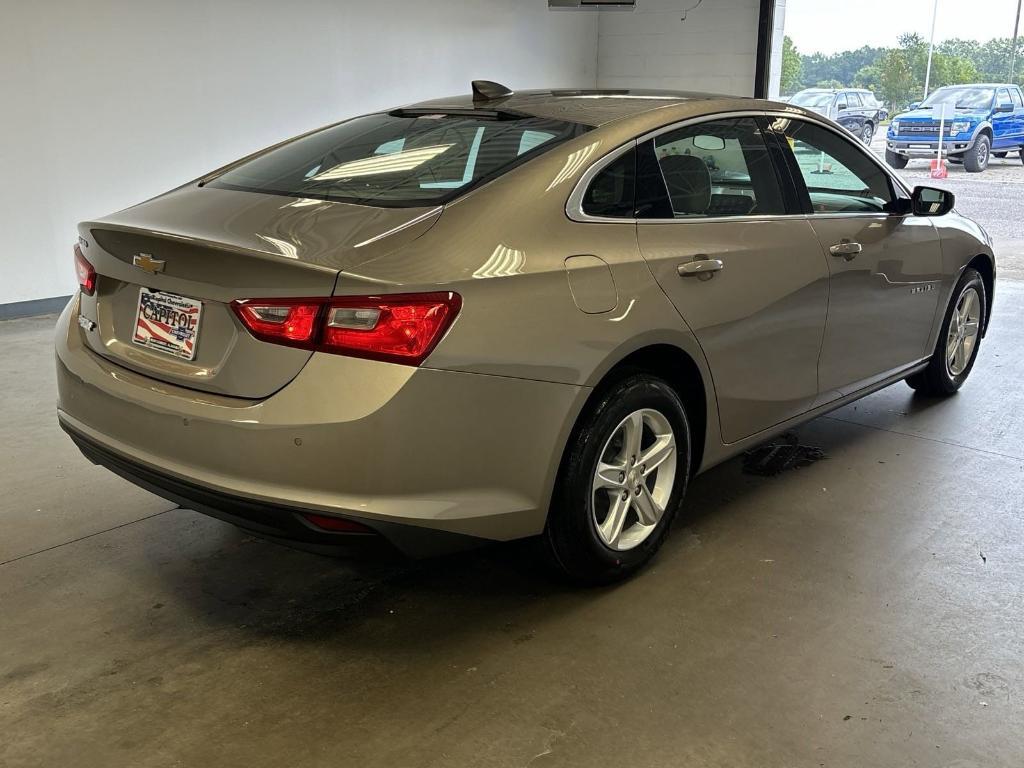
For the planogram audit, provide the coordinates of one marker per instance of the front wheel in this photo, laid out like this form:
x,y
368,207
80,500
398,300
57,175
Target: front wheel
x,y
623,478
896,161
959,339
977,157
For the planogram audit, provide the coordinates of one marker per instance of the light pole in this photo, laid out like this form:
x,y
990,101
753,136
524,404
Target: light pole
x,y
1013,47
931,47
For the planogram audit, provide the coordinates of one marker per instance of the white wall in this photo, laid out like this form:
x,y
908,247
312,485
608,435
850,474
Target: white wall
x,y
104,103
715,49
775,64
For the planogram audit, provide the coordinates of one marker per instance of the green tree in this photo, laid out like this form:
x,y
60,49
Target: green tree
x,y
869,77
896,82
792,67
952,70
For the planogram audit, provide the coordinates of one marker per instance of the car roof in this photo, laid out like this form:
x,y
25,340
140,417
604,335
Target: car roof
x,y
593,107
977,85
835,90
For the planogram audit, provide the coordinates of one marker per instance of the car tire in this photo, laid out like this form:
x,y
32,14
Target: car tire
x,y
896,161
867,133
946,371
976,158
579,538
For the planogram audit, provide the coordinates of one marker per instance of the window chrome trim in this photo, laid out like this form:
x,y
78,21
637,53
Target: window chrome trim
x,y
574,205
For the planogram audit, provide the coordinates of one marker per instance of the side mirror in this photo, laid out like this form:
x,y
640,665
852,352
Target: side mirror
x,y
840,107
915,105
1005,107
929,201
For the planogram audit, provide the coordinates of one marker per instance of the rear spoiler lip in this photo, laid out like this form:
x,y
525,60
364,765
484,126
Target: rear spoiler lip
x,y
101,224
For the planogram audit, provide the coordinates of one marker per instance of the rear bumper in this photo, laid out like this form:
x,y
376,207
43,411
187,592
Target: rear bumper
x,y
274,521
390,446
925,148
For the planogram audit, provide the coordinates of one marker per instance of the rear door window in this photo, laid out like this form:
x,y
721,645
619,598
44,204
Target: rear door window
x,y
854,100
1015,96
717,169
399,160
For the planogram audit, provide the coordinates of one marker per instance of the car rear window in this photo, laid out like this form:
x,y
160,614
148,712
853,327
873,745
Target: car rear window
x,y
399,160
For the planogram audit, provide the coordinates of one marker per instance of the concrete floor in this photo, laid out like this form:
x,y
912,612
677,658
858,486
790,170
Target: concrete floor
x,y
864,611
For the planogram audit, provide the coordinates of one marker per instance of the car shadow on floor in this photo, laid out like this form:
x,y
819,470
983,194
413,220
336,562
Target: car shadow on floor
x,y
229,578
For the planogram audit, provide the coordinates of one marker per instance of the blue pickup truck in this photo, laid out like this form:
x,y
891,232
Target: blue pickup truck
x,y
986,119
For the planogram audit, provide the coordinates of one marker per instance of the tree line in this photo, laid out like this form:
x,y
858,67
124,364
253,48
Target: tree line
x,y
896,75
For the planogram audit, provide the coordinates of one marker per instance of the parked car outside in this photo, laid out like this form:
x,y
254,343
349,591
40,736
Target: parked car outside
x,y
987,119
856,109
514,315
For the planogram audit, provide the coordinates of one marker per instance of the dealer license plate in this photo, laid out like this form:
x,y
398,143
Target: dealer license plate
x,y
167,323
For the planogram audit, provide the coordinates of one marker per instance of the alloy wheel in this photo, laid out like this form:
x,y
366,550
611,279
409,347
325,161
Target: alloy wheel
x,y
633,480
963,332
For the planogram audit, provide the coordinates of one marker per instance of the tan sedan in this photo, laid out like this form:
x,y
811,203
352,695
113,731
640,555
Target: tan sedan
x,y
507,316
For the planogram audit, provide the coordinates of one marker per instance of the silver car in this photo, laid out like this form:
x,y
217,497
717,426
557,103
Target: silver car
x,y
499,316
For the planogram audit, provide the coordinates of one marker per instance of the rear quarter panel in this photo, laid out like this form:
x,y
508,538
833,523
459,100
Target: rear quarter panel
x,y
503,248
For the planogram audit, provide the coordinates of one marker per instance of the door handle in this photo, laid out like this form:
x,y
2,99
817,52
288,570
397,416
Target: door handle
x,y
847,249
700,267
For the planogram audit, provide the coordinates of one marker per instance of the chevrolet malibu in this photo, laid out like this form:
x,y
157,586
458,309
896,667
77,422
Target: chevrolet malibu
x,y
508,315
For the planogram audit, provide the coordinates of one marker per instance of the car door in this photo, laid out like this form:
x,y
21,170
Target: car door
x,y
856,109
748,280
884,264
1004,124
844,113
1016,133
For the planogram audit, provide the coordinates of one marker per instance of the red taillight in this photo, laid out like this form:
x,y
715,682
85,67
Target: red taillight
x,y
86,273
401,328
285,321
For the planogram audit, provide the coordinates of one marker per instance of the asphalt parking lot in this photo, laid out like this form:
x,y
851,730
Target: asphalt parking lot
x,y
994,198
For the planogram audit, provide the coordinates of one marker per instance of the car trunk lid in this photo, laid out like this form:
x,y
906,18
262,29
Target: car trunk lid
x,y
215,246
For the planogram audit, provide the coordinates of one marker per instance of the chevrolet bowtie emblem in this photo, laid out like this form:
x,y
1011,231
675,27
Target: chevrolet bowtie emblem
x,y
148,263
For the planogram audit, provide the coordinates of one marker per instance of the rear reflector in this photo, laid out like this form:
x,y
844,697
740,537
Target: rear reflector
x,y
400,328
85,272
335,524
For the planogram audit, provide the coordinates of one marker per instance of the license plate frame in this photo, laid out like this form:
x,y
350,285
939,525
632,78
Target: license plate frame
x,y
167,323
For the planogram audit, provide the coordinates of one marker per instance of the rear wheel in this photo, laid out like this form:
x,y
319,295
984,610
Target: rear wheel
x,y
976,158
896,161
621,482
959,339
867,133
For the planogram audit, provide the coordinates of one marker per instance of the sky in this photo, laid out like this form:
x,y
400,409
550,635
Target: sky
x,y
828,26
